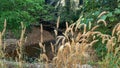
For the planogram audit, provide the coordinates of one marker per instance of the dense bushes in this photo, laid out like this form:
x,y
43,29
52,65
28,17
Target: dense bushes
x,y
28,11
92,8
70,10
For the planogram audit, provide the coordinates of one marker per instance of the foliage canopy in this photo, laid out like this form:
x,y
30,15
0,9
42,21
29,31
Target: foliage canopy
x,y
28,11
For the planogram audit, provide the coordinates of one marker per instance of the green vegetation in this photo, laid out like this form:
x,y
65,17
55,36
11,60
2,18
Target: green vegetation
x,y
91,36
27,11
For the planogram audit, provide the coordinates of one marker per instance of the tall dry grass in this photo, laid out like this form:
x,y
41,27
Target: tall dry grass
x,y
75,47
2,45
19,49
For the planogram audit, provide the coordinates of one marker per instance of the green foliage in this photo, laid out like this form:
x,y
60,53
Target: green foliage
x,y
14,18
27,11
92,8
101,49
69,12
110,61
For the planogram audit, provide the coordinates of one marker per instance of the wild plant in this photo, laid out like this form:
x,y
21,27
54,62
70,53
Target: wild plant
x,y
20,47
2,46
76,45
43,55
1,41
112,58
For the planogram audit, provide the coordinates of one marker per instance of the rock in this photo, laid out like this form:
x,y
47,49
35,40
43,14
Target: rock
x,y
32,47
34,36
9,35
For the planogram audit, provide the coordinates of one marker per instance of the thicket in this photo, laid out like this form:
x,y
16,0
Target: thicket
x,y
27,11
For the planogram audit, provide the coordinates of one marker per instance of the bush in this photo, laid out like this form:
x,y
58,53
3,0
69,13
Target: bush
x,y
28,11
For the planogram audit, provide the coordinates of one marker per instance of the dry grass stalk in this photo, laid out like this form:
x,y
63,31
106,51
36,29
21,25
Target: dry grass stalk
x,y
66,25
1,42
78,23
58,22
116,29
101,14
43,56
41,39
56,33
84,29
57,26
95,27
41,31
52,47
102,21
5,24
20,46
21,41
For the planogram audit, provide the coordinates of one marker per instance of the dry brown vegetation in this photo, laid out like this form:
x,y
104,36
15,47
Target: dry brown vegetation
x,y
77,43
75,46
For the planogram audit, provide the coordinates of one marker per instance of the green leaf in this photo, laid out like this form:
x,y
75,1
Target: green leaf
x,y
96,13
103,17
110,14
111,19
117,11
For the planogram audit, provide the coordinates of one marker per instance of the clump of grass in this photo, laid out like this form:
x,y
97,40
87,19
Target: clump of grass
x,y
76,46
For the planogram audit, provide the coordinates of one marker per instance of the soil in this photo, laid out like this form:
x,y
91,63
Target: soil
x,y
31,46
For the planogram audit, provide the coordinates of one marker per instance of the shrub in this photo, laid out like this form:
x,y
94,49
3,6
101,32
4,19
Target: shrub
x,y
28,11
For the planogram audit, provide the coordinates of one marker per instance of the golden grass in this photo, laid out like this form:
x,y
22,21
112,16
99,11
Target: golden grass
x,y
76,45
